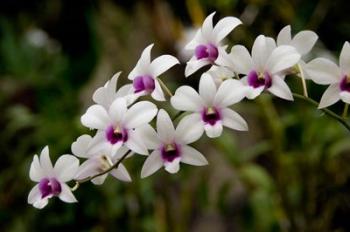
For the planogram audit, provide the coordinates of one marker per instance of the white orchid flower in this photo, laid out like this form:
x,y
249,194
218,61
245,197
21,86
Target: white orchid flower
x,y
51,180
98,160
206,45
106,94
117,126
145,73
169,145
210,106
325,72
263,69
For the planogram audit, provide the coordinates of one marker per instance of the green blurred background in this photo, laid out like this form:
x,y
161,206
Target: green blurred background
x,y
290,172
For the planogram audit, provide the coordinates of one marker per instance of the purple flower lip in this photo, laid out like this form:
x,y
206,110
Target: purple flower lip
x,y
208,51
117,134
211,115
169,152
143,83
49,187
257,80
345,83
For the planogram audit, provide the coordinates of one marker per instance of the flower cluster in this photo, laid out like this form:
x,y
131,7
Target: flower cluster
x,y
121,118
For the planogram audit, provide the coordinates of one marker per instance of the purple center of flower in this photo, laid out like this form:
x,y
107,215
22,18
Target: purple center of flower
x,y
257,80
49,186
116,134
144,82
211,115
208,51
345,84
170,152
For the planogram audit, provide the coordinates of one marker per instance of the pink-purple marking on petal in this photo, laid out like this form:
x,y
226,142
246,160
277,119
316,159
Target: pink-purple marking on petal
x,y
345,84
49,187
143,83
208,51
115,136
211,115
256,81
169,152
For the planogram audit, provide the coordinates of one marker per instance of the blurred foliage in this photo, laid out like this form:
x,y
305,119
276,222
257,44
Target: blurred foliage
x,y
290,172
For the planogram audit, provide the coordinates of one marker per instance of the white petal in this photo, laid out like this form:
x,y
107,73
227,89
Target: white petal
x,y
345,97
260,52
118,110
323,71
45,161
143,64
187,99
162,64
330,96
173,166
34,195
152,164
106,94
66,195
284,36
99,180
121,173
252,93
213,131
135,143
304,41
207,28
189,129
66,167
283,57
233,120
139,114
80,146
240,59
36,173
271,44
149,136
96,117
126,91
280,89
165,126
207,89
198,39
157,93
192,156
344,59
224,27
230,92
88,169
193,65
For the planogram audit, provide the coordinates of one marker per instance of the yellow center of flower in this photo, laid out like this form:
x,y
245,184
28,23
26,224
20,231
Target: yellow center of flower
x,y
170,147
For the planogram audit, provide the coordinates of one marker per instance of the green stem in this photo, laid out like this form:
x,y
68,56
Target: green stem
x,y
326,111
78,182
345,112
164,87
303,82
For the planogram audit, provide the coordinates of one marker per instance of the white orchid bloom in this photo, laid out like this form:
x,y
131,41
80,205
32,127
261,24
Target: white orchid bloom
x,y
325,72
98,161
117,126
206,45
169,145
303,41
210,106
145,73
106,94
51,180
220,74
264,68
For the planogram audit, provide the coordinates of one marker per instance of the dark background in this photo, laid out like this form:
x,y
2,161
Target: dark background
x,y
290,172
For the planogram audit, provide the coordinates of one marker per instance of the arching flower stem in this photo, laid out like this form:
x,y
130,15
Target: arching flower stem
x,y
345,112
303,82
165,88
326,111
